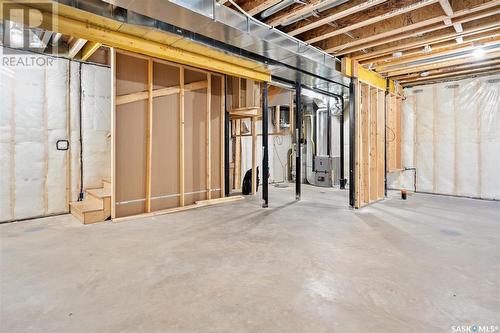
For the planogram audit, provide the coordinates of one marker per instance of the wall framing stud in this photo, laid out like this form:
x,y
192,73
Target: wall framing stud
x,y
208,137
149,135
181,137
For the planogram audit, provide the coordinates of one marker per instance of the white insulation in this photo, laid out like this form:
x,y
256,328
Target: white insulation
x,y
451,135
39,106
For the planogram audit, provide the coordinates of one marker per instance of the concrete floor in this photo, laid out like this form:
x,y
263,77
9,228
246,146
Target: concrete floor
x,y
421,265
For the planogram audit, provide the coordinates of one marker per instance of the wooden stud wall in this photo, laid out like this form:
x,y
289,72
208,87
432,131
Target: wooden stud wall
x,y
167,135
370,153
244,99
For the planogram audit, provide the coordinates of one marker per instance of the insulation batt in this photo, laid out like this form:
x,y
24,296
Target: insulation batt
x,y
451,135
39,106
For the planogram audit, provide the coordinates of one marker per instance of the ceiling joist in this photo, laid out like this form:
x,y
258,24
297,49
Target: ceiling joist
x,y
485,27
255,7
346,9
405,32
372,17
445,63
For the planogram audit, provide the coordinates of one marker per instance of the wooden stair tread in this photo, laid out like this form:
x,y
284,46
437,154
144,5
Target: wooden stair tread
x,y
99,193
107,180
87,206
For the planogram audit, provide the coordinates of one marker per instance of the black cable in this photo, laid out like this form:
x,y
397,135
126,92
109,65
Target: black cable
x,y
80,195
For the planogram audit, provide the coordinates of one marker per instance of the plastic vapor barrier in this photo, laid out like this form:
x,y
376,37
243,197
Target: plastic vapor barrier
x,y
451,136
40,105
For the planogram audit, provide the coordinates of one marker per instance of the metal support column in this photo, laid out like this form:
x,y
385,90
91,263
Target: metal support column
x,y
328,129
265,148
298,136
342,173
352,142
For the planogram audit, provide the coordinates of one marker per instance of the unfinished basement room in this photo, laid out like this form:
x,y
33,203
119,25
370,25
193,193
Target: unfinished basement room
x,y
250,166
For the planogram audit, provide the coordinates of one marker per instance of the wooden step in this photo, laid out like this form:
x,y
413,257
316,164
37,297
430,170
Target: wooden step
x,y
100,193
95,208
106,182
88,211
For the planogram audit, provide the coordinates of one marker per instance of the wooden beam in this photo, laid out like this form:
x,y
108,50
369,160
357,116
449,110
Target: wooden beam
x,y
96,28
451,69
337,13
256,6
459,61
414,29
141,95
298,11
397,28
89,49
222,137
75,47
434,55
373,17
197,204
447,44
454,74
149,136
431,38
454,77
400,36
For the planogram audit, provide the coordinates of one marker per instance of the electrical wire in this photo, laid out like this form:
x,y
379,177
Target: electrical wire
x,y
279,141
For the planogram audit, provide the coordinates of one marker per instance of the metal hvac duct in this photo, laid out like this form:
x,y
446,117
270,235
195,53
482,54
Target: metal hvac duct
x,y
208,22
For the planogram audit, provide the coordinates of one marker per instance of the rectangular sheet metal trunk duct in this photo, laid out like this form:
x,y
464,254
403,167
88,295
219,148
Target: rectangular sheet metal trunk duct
x,y
218,26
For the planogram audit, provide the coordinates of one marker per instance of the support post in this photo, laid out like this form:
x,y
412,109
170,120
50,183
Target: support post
x,y
385,137
227,137
342,172
298,135
265,150
352,142
222,158
254,155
